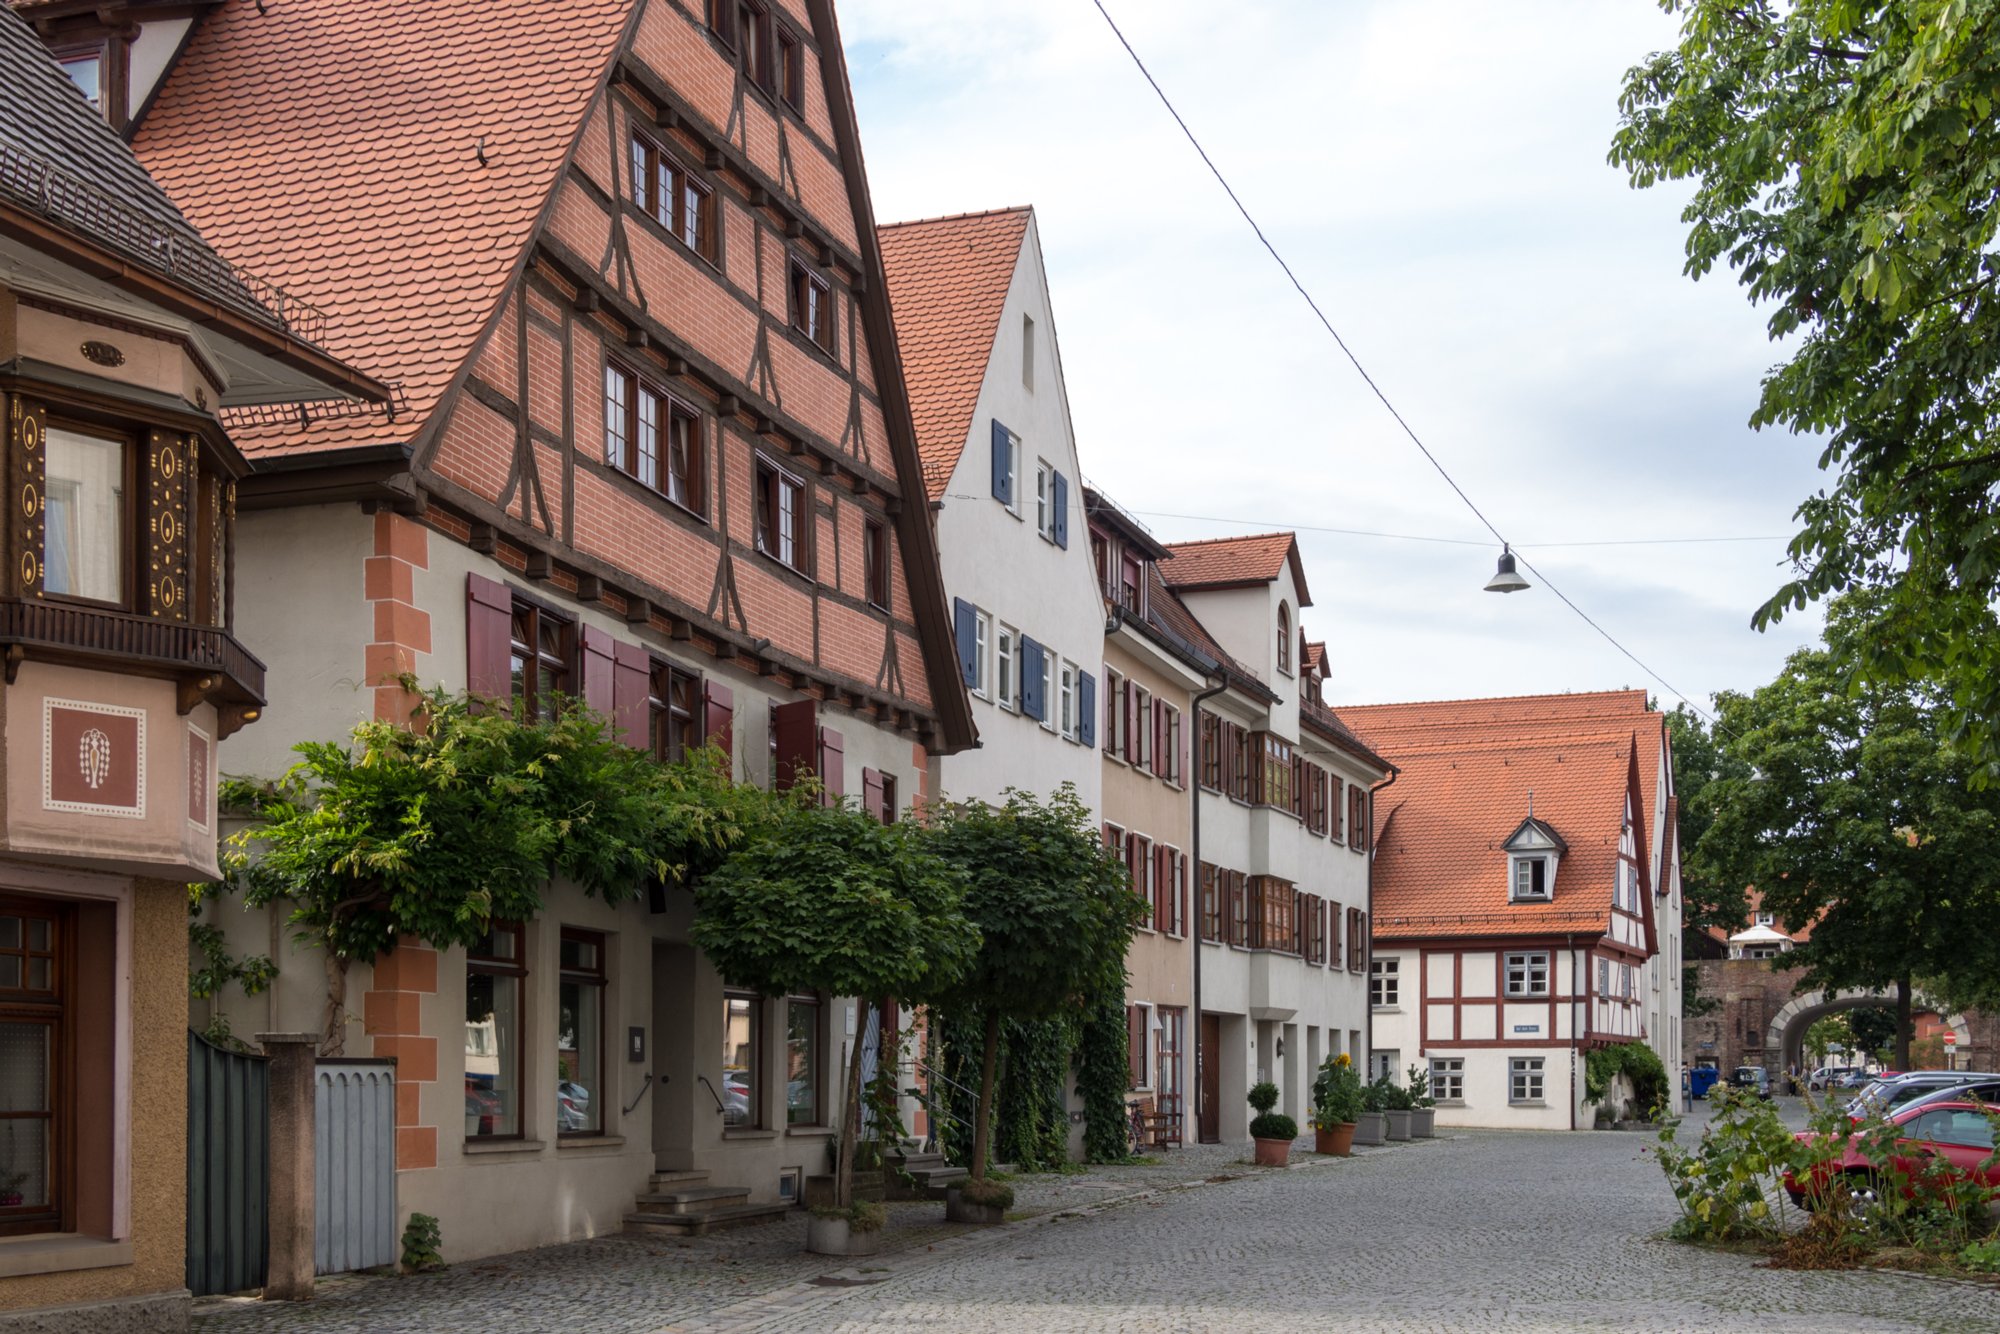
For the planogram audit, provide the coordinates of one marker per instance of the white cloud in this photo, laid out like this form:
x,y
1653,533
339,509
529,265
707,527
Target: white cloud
x,y
1436,174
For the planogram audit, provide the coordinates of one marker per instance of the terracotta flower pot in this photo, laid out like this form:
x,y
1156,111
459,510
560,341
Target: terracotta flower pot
x,y
1338,1141
1273,1152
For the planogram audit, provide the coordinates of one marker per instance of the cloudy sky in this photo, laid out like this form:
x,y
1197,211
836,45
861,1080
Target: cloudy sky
x,y
1435,172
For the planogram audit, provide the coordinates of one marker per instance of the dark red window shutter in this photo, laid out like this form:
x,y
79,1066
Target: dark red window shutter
x,y
832,765
631,694
1159,739
719,723
1110,835
796,730
597,669
1135,1042
489,638
1131,732
1181,743
871,792
1181,893
1163,897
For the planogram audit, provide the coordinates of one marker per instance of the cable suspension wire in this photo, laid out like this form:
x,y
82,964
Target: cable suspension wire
x,y
1361,370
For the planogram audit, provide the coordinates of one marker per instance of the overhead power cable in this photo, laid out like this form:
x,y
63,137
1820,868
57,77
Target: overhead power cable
x,y
1362,371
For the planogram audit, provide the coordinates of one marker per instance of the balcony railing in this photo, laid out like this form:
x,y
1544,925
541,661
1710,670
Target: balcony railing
x,y
95,636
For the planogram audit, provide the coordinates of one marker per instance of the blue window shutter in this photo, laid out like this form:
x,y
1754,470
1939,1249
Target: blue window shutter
x,y
1003,461
963,623
1086,708
1032,701
1062,511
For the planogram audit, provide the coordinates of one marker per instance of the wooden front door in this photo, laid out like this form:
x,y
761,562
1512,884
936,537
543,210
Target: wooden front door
x,y
1209,1080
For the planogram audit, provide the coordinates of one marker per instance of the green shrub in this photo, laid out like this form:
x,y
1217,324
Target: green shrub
x,y
1264,1096
1982,1256
1336,1093
993,1194
421,1239
1273,1125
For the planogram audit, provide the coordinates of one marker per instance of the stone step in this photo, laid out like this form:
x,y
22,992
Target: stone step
x,y
910,1162
699,1199
678,1180
701,1224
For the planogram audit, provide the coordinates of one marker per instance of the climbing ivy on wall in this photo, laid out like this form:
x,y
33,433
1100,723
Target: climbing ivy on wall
x,y
1033,1129
1102,1077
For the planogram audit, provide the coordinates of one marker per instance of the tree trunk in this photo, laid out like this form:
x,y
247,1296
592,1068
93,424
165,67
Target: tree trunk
x,y
1903,1023
850,1116
982,1120
334,1041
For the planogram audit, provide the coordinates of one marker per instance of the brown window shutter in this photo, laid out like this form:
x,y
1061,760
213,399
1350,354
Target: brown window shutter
x,y
1112,681
1163,895
1132,864
1159,724
631,694
1135,1043
871,792
1360,941
1130,733
597,659
719,721
489,637
796,731
1180,893
1110,834
832,765
1181,744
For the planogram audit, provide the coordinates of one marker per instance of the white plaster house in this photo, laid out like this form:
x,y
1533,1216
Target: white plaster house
x,y
971,305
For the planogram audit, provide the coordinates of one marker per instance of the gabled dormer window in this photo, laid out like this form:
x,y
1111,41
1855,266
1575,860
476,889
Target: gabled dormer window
x,y
1532,853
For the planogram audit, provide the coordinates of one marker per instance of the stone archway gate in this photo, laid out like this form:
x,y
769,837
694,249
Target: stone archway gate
x,y
1784,1037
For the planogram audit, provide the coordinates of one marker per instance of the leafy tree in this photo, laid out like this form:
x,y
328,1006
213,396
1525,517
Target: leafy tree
x,y
1846,161
437,829
828,898
1874,1029
1055,913
1699,761
1858,819
1826,1034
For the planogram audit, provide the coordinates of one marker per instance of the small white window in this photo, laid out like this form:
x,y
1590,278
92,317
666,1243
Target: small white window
x,y
1048,689
1531,879
1384,983
1524,1075
982,637
1448,1078
1767,919
1045,499
1068,698
1528,974
1028,352
1007,689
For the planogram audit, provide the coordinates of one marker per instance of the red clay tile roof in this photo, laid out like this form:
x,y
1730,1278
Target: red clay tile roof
x,y
331,147
1316,656
1234,562
1439,865
948,281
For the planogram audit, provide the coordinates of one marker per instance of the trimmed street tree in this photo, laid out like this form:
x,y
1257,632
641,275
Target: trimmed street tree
x,y
828,898
1858,819
1846,162
1055,912
436,830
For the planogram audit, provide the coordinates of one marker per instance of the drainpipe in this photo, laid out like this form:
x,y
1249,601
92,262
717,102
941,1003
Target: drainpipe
x,y
1569,947
1368,955
1194,855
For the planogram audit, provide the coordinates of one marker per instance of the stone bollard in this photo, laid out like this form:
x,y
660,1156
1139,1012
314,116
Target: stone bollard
x,y
294,1072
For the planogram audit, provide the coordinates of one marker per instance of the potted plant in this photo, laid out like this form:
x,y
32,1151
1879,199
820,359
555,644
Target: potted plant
x,y
1273,1131
1396,1107
1371,1127
979,1200
1423,1113
856,1230
1336,1105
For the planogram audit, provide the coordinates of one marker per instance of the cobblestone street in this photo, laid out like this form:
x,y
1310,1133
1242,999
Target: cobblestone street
x,y
1480,1231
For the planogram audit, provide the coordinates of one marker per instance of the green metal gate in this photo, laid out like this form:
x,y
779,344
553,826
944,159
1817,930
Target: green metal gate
x,y
228,1168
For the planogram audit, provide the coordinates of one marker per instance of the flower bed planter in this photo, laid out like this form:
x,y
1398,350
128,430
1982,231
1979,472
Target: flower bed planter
x,y
1399,1122
1369,1128
1338,1141
958,1209
837,1236
1423,1122
1273,1152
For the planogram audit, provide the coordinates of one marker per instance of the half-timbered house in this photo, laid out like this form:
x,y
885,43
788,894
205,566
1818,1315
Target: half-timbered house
x,y
650,447
122,334
1526,900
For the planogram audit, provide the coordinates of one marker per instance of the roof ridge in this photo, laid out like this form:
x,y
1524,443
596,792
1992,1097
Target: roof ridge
x,y
1591,739
1240,537
956,217
1502,699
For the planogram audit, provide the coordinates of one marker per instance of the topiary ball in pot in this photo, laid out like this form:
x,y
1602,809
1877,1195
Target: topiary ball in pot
x,y
1274,1125
1264,1096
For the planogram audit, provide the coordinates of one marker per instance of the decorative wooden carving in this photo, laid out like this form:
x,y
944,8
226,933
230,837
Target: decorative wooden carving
x,y
168,512
27,476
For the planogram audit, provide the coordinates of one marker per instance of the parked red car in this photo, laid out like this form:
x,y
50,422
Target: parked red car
x,y
1957,1133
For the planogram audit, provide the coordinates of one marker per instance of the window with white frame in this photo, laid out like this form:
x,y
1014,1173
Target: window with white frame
x,y
1048,690
1006,688
1767,919
1528,974
1045,499
1142,719
1385,982
982,639
1524,1079
1068,700
1011,461
1604,977
1531,879
1144,881
1448,1078
1115,687
1170,763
